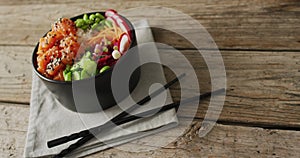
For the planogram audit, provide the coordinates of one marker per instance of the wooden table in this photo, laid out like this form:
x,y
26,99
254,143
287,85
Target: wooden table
x,y
260,44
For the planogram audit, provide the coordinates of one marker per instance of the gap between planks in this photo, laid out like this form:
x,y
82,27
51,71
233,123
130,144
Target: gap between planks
x,y
221,122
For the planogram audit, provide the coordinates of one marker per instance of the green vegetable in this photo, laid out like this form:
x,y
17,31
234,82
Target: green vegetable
x,y
75,67
79,22
84,27
90,67
99,16
84,74
67,73
92,17
108,23
105,49
94,26
92,21
85,68
99,27
104,69
97,20
102,22
76,75
68,76
87,54
85,17
108,42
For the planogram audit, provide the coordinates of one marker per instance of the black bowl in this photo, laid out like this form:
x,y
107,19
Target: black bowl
x,y
92,94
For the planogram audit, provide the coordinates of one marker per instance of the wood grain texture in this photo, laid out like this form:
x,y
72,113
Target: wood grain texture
x,y
260,46
222,141
15,74
237,24
262,87
13,127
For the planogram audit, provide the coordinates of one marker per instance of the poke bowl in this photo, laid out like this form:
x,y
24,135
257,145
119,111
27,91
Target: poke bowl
x,y
83,51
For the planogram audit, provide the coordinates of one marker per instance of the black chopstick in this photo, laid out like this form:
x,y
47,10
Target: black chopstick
x,y
83,133
130,118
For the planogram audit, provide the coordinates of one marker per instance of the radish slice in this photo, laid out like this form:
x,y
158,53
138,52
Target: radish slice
x,y
121,23
110,12
118,20
124,43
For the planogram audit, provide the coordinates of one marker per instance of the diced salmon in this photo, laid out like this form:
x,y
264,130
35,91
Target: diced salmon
x,y
57,49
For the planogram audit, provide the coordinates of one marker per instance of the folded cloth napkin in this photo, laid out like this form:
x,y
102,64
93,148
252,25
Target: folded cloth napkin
x,y
49,120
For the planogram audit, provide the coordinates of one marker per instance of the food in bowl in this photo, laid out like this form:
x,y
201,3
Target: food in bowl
x,y
84,48
87,53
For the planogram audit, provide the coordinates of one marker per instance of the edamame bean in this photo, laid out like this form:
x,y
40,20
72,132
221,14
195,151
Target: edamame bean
x,y
94,21
94,25
104,69
97,20
77,25
102,22
84,27
85,17
92,17
88,21
79,22
99,16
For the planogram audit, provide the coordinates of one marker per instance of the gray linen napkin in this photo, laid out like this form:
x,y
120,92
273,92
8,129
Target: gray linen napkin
x,y
49,120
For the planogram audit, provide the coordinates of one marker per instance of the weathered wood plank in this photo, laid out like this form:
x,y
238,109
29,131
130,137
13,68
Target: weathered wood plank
x,y
14,117
15,74
12,143
13,126
238,24
262,86
223,140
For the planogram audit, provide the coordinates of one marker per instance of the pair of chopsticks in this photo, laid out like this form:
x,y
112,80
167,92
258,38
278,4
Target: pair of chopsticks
x,y
122,118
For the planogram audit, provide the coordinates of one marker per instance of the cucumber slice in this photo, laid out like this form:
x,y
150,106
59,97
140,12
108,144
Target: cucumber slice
x,y
87,55
75,67
67,73
85,74
68,76
85,68
76,75
89,66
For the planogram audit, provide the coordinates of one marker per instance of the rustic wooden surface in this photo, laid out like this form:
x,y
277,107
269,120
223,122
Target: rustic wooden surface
x,y
260,44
